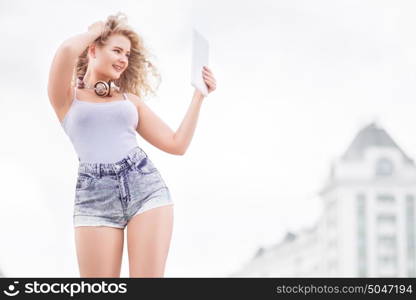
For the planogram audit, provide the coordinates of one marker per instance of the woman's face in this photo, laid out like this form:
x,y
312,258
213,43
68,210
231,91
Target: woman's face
x,y
112,59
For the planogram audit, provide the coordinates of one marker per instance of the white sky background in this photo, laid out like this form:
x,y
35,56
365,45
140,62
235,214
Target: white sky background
x,y
296,80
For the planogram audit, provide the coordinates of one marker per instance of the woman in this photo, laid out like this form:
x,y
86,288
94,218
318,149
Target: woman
x,y
118,186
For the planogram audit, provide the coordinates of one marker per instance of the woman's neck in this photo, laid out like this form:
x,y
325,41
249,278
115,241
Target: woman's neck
x,y
91,79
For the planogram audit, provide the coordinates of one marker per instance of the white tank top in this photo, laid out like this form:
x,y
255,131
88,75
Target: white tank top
x,y
101,132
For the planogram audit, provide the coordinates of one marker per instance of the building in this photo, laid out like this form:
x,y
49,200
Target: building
x,y
367,227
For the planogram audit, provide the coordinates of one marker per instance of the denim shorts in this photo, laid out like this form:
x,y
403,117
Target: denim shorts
x,y
110,194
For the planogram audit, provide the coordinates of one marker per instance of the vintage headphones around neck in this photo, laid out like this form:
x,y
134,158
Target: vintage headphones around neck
x,y
101,88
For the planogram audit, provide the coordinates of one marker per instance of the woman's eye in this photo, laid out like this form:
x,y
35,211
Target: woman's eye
x,y
118,51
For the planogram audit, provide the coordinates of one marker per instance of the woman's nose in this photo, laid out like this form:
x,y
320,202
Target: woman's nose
x,y
124,60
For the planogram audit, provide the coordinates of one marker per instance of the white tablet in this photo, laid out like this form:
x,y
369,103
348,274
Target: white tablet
x,y
200,49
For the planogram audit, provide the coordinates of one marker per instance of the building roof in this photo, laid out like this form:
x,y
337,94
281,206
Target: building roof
x,y
371,136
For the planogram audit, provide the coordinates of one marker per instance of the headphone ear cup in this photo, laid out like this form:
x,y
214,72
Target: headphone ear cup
x,y
101,88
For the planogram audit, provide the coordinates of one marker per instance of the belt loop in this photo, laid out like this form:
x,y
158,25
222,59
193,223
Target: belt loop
x,y
129,161
99,170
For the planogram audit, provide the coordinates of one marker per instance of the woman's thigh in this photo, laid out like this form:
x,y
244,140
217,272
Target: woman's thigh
x,y
148,241
99,250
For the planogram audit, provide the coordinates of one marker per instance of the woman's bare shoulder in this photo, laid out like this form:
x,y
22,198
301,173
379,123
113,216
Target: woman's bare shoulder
x,y
135,99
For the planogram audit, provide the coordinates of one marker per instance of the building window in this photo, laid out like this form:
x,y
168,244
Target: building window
x,y
384,167
386,244
410,235
361,235
387,265
387,241
387,219
385,198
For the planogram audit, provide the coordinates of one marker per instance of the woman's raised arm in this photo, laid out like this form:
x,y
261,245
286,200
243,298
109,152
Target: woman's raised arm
x,y
64,62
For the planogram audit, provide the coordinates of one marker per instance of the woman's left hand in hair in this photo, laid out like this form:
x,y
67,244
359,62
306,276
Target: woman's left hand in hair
x,y
209,79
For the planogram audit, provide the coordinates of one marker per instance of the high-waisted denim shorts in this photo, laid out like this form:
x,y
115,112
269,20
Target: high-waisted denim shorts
x,y
110,194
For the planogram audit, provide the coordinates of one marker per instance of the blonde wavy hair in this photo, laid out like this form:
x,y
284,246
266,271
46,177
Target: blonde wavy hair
x,y
137,78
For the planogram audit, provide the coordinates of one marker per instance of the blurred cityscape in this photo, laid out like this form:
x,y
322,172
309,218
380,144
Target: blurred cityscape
x,y
367,227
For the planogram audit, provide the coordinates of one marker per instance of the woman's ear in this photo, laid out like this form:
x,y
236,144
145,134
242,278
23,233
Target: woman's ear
x,y
91,50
